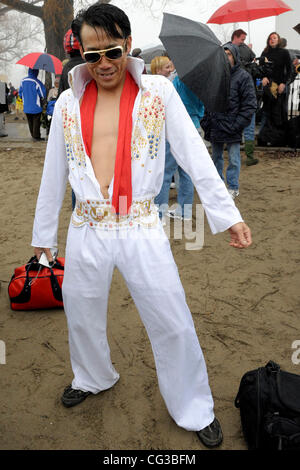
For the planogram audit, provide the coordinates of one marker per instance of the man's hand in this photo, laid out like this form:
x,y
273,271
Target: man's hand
x,y
265,81
281,88
240,235
39,251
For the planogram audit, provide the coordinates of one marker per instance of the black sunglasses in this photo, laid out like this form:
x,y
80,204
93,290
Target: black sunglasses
x,y
114,53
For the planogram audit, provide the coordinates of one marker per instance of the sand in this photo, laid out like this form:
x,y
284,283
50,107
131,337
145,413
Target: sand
x,y
245,305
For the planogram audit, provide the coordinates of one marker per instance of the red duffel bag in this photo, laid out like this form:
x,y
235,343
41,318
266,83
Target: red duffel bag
x,y
34,287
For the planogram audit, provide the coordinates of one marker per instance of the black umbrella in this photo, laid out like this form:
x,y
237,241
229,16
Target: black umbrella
x,y
148,54
199,58
297,28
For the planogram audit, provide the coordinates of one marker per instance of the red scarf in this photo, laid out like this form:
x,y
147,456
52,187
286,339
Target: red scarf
x,y
122,191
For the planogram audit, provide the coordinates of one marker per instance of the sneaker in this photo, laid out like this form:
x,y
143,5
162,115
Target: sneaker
x,y
172,185
233,193
212,435
72,397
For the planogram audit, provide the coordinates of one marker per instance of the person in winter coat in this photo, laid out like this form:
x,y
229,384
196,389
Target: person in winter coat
x,y
247,56
32,91
71,47
3,107
281,65
227,127
275,85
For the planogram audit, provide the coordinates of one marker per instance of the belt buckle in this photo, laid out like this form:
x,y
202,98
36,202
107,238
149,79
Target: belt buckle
x,y
100,213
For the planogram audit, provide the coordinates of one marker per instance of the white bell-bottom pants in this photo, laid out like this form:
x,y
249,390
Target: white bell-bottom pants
x,y
144,258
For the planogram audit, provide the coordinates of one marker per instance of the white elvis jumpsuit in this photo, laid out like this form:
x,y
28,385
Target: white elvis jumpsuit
x,y
136,244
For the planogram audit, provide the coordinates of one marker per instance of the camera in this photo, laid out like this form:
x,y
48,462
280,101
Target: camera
x,y
259,68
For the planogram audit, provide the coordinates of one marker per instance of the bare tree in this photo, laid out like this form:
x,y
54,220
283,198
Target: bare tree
x,y
16,34
56,17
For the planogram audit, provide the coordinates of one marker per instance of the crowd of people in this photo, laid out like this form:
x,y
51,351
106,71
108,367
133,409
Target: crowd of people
x,y
119,137
10,103
259,92
32,99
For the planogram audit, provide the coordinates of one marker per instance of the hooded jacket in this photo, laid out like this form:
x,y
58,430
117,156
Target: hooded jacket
x,y
31,91
242,103
193,105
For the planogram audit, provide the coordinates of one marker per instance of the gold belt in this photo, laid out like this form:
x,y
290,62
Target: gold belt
x,y
101,214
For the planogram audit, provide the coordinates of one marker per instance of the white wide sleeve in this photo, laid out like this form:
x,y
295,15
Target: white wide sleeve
x,y
192,156
53,186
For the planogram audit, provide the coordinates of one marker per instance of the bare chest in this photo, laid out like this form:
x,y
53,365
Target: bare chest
x,y
104,143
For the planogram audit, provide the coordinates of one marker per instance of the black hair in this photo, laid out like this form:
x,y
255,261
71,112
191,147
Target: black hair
x,y
105,16
136,52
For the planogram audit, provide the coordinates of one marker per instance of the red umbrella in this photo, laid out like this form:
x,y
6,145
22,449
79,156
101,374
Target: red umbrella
x,y
247,10
42,61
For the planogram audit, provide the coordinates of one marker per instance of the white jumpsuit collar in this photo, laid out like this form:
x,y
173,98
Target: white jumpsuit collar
x,y
79,76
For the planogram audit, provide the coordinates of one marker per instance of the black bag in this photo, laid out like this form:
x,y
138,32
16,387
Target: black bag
x,y
293,132
269,403
271,135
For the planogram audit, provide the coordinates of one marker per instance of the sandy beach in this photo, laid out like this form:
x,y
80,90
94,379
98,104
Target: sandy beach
x,y
245,305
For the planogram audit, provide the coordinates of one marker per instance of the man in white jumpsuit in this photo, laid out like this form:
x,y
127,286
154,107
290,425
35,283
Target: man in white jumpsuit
x,y
133,241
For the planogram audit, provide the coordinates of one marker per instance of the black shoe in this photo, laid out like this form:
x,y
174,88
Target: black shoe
x,y
72,397
212,435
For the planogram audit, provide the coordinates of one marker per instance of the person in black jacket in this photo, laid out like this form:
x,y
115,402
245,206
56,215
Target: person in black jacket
x,y
71,47
247,56
275,85
3,107
227,127
281,63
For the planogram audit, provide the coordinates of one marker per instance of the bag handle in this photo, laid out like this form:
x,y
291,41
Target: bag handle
x,y
33,265
56,289
272,367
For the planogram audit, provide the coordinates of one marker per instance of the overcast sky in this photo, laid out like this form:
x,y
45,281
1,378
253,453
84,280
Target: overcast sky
x,y
146,28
